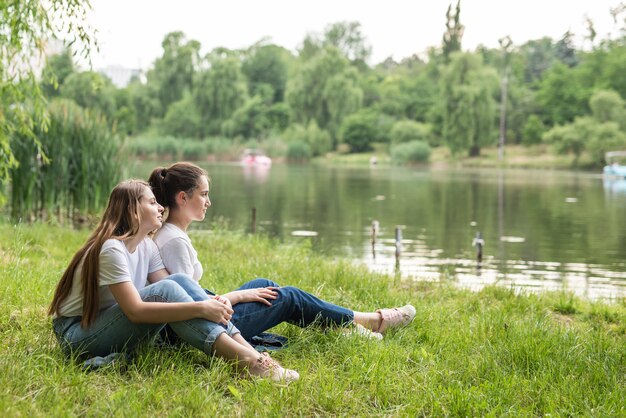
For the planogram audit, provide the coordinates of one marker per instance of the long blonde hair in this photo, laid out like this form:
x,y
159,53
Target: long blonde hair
x,y
120,220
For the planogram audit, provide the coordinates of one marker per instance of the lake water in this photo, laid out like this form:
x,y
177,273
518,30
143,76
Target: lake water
x,y
541,229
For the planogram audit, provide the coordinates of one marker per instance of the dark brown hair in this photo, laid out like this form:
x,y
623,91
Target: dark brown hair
x,y
166,182
121,219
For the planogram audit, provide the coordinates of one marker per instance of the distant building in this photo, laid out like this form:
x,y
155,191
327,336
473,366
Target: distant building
x,y
120,76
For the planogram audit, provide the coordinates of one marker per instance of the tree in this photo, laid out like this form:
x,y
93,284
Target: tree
x,y
90,90
454,31
561,95
56,71
266,67
348,39
359,130
468,105
182,119
607,106
326,89
26,28
220,91
408,130
174,71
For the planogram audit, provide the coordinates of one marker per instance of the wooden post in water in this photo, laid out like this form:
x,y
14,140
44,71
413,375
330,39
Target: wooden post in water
x,y
479,242
253,228
374,233
398,246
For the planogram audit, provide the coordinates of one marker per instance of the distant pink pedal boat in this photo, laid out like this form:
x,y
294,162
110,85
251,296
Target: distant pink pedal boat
x,y
255,157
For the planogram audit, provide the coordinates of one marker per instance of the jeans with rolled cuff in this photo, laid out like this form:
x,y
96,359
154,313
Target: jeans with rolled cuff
x,y
292,305
113,332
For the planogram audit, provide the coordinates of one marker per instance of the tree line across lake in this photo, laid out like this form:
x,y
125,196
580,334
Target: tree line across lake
x,y
327,97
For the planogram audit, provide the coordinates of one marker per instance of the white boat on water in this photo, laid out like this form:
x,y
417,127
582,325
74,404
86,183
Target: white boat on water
x,y
615,166
255,157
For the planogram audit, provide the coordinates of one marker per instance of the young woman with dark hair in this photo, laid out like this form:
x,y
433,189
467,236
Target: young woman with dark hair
x,y
183,189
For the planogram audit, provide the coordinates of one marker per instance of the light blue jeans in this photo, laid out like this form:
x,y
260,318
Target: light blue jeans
x,y
113,332
292,305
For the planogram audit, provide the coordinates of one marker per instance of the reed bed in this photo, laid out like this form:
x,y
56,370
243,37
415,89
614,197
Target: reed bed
x,y
83,165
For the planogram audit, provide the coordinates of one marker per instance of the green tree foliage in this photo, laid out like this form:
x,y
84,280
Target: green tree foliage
x,y
561,95
586,133
346,37
564,50
317,141
83,166
25,28
608,106
266,68
90,90
359,130
249,121
454,31
325,89
410,152
533,130
145,103
182,119
220,91
468,106
538,55
57,69
173,73
408,96
408,131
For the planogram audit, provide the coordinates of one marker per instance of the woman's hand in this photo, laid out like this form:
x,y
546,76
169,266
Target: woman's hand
x,y
262,295
216,311
224,300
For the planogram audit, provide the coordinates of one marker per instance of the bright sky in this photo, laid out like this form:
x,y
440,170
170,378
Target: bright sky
x,y
130,31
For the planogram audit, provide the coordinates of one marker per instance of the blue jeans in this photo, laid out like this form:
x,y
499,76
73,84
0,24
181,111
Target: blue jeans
x,y
292,305
114,332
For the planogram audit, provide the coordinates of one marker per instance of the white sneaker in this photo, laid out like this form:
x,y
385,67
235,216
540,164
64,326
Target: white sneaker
x,y
360,331
267,367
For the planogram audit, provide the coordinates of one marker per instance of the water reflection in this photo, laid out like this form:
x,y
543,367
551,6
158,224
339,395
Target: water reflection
x,y
420,262
541,229
614,186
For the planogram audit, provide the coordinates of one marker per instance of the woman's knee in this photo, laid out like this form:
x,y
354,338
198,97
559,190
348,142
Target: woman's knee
x,y
181,278
259,282
168,290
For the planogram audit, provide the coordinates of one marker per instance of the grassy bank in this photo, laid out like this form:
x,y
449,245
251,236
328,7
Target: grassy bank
x,y
516,156
467,354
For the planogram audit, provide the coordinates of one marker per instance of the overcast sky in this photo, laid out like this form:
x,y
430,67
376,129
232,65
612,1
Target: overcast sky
x,y
130,31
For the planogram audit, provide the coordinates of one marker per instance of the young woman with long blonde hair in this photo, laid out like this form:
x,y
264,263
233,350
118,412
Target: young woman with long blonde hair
x,y
117,293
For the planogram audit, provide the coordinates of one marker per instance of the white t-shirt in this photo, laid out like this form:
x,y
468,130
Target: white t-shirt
x,y
177,253
116,265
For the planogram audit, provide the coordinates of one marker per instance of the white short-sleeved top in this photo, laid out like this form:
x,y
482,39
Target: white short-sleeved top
x,y
177,253
116,265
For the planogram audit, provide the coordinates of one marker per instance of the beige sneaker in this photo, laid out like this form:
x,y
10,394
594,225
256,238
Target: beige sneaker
x,y
267,367
358,330
395,317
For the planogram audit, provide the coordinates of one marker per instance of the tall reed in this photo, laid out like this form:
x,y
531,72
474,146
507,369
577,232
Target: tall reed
x,y
83,165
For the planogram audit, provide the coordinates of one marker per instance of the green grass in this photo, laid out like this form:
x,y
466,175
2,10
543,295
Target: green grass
x,y
491,353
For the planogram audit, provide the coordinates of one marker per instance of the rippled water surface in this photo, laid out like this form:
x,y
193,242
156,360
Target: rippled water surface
x,y
541,229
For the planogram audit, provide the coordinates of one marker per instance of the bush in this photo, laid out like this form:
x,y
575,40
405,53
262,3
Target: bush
x,y
408,131
359,130
298,151
192,149
533,130
410,152
318,140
